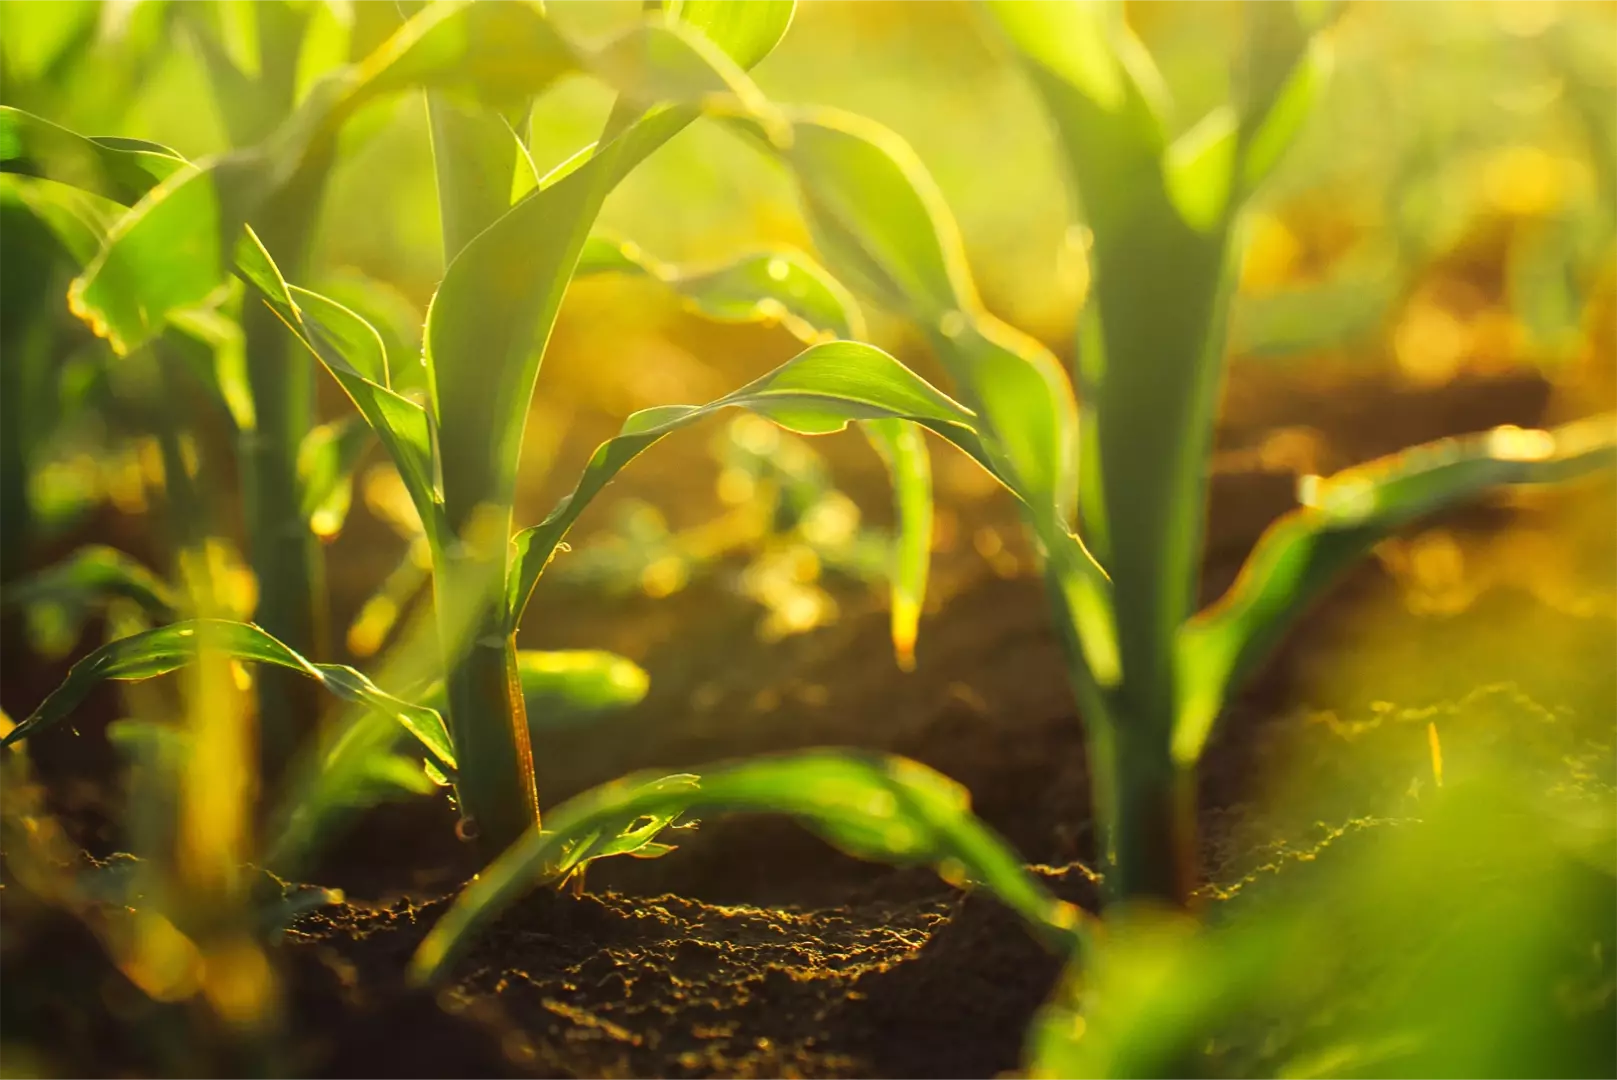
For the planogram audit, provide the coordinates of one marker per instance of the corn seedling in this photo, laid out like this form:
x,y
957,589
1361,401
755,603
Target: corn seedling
x,y
1112,479
456,452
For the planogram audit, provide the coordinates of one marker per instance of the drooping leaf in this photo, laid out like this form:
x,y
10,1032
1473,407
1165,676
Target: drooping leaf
x,y
882,224
787,287
1342,517
903,451
92,575
872,806
122,170
782,286
817,392
167,648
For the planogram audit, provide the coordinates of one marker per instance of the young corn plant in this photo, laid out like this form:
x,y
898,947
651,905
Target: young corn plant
x,y
157,264
456,453
1112,492
1112,479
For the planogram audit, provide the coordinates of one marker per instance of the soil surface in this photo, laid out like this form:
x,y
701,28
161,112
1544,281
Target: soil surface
x,y
756,950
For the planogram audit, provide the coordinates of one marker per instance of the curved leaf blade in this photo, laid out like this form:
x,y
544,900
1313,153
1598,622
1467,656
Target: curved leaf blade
x,y
872,806
1344,516
782,286
817,392
122,170
168,648
787,287
881,223
91,575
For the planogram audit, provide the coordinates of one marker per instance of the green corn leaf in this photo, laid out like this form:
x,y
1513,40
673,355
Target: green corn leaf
x,y
747,30
1151,335
474,156
817,392
781,286
356,768
89,577
80,220
880,220
876,216
568,687
352,351
1343,516
167,648
882,225
488,324
172,250
359,765
903,451
789,288
872,806
1280,125
327,458
122,170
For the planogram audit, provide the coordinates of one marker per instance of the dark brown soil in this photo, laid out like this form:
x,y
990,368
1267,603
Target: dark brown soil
x,y
756,950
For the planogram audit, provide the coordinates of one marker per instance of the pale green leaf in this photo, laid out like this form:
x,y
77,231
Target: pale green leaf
x,y
817,392
1343,517
873,806
782,286
167,648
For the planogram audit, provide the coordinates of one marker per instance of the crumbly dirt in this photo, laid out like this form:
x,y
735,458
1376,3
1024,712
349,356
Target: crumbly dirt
x,y
756,950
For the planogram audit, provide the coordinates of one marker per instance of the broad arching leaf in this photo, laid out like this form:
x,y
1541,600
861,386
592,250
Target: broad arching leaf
x,y
1342,517
781,286
352,351
882,225
167,648
817,392
878,807
791,289
122,170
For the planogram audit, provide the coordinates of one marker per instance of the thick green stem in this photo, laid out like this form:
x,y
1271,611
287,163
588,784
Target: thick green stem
x,y
1144,803
487,715
1146,806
